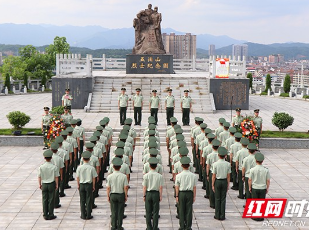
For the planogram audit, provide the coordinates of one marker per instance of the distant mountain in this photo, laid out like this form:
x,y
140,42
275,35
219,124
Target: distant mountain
x,y
289,50
97,40
204,40
93,37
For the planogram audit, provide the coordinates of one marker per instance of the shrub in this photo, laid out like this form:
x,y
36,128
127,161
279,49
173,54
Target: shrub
x,y
284,95
57,110
18,119
282,120
306,96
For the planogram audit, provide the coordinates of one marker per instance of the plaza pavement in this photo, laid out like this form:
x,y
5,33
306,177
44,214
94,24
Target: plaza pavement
x,y
32,105
21,208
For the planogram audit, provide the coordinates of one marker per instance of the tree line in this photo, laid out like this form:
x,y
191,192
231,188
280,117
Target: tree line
x,y
31,63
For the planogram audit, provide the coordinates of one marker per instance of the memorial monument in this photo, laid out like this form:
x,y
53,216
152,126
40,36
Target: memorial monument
x,y
148,55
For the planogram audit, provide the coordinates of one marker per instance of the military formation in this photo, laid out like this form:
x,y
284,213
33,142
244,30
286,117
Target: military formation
x,y
220,156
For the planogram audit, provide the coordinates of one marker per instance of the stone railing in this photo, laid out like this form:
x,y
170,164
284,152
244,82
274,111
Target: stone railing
x,y
73,63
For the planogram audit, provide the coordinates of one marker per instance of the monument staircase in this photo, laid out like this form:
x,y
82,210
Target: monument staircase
x,y
106,90
108,87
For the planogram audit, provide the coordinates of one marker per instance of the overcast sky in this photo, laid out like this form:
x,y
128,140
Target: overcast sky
x,y
261,21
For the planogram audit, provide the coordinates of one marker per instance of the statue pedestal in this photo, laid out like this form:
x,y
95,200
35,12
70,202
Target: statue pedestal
x,y
149,64
226,91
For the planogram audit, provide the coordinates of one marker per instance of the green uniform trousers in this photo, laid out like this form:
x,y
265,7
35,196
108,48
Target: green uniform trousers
x,y
185,200
154,113
194,158
48,199
85,193
71,168
258,193
186,116
96,191
67,175
248,193
138,115
81,150
57,198
206,182
234,175
220,198
62,182
101,173
211,192
117,201
200,168
169,114
240,184
45,132
123,114
152,206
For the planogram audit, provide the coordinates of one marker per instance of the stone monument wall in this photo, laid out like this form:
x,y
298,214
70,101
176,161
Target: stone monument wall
x,y
79,89
230,93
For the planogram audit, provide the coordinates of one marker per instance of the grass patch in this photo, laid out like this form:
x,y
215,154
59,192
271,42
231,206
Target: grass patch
x,y
263,93
284,94
285,134
30,91
8,131
306,96
48,90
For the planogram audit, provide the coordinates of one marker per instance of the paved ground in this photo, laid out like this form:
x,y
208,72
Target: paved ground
x,y
20,197
32,104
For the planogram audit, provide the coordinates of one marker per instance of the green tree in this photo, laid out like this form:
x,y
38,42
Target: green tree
x,y
287,84
249,76
14,66
268,82
60,46
27,52
7,82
